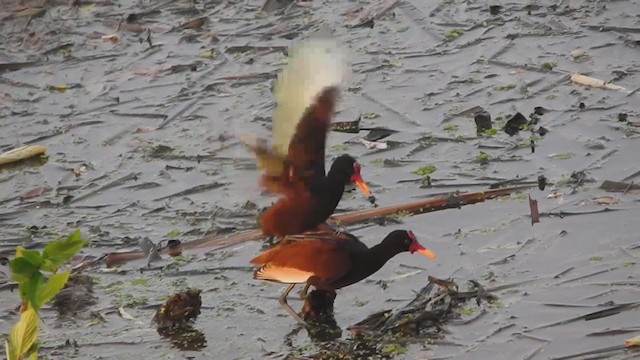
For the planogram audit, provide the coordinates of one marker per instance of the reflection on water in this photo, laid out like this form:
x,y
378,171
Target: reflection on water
x,y
184,337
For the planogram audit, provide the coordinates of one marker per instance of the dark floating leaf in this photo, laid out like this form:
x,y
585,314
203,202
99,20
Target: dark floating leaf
x,y
161,149
542,182
379,133
483,121
174,247
515,124
539,110
392,163
495,9
622,117
542,131
133,17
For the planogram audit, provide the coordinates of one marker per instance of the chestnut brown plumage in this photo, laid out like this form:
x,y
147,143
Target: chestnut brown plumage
x,y
294,166
329,260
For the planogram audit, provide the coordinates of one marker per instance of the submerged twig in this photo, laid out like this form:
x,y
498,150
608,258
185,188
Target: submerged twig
x,y
450,201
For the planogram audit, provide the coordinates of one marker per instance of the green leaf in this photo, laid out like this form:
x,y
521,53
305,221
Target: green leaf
x,y
23,334
59,251
21,269
31,256
34,354
49,266
52,287
424,170
29,290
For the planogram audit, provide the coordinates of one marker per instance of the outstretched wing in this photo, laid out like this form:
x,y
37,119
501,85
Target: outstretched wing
x,y
272,162
307,146
314,64
306,92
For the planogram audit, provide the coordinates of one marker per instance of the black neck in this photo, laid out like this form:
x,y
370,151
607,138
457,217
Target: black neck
x,y
378,255
331,191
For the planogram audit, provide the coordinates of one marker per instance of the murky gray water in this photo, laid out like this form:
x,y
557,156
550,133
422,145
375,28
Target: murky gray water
x,y
145,116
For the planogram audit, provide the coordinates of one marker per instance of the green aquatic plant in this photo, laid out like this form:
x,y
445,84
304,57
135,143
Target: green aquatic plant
x,y
424,170
36,273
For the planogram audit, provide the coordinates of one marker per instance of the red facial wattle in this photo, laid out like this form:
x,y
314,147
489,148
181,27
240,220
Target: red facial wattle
x,y
415,246
357,180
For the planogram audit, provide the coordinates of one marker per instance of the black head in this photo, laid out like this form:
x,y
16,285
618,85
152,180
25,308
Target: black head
x,y
404,240
347,170
344,167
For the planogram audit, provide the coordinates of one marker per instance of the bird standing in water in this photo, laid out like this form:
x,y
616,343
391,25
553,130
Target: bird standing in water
x,y
329,260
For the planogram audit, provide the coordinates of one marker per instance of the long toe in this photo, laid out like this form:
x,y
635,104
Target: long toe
x,y
303,292
293,314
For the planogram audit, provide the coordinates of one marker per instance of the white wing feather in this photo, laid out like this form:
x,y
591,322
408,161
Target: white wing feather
x,y
313,64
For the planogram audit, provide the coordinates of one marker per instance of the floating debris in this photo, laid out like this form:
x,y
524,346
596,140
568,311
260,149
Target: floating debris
x,y
542,182
21,153
76,295
535,214
622,117
179,309
516,123
483,121
596,83
174,247
634,341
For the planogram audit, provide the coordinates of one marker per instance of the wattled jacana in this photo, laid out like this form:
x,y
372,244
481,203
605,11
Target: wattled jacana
x,y
329,260
294,164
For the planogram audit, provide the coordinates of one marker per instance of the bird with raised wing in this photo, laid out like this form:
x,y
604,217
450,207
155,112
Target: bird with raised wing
x,y
294,164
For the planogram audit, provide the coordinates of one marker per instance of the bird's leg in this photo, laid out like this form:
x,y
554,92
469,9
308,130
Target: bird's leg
x,y
268,243
303,293
283,303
